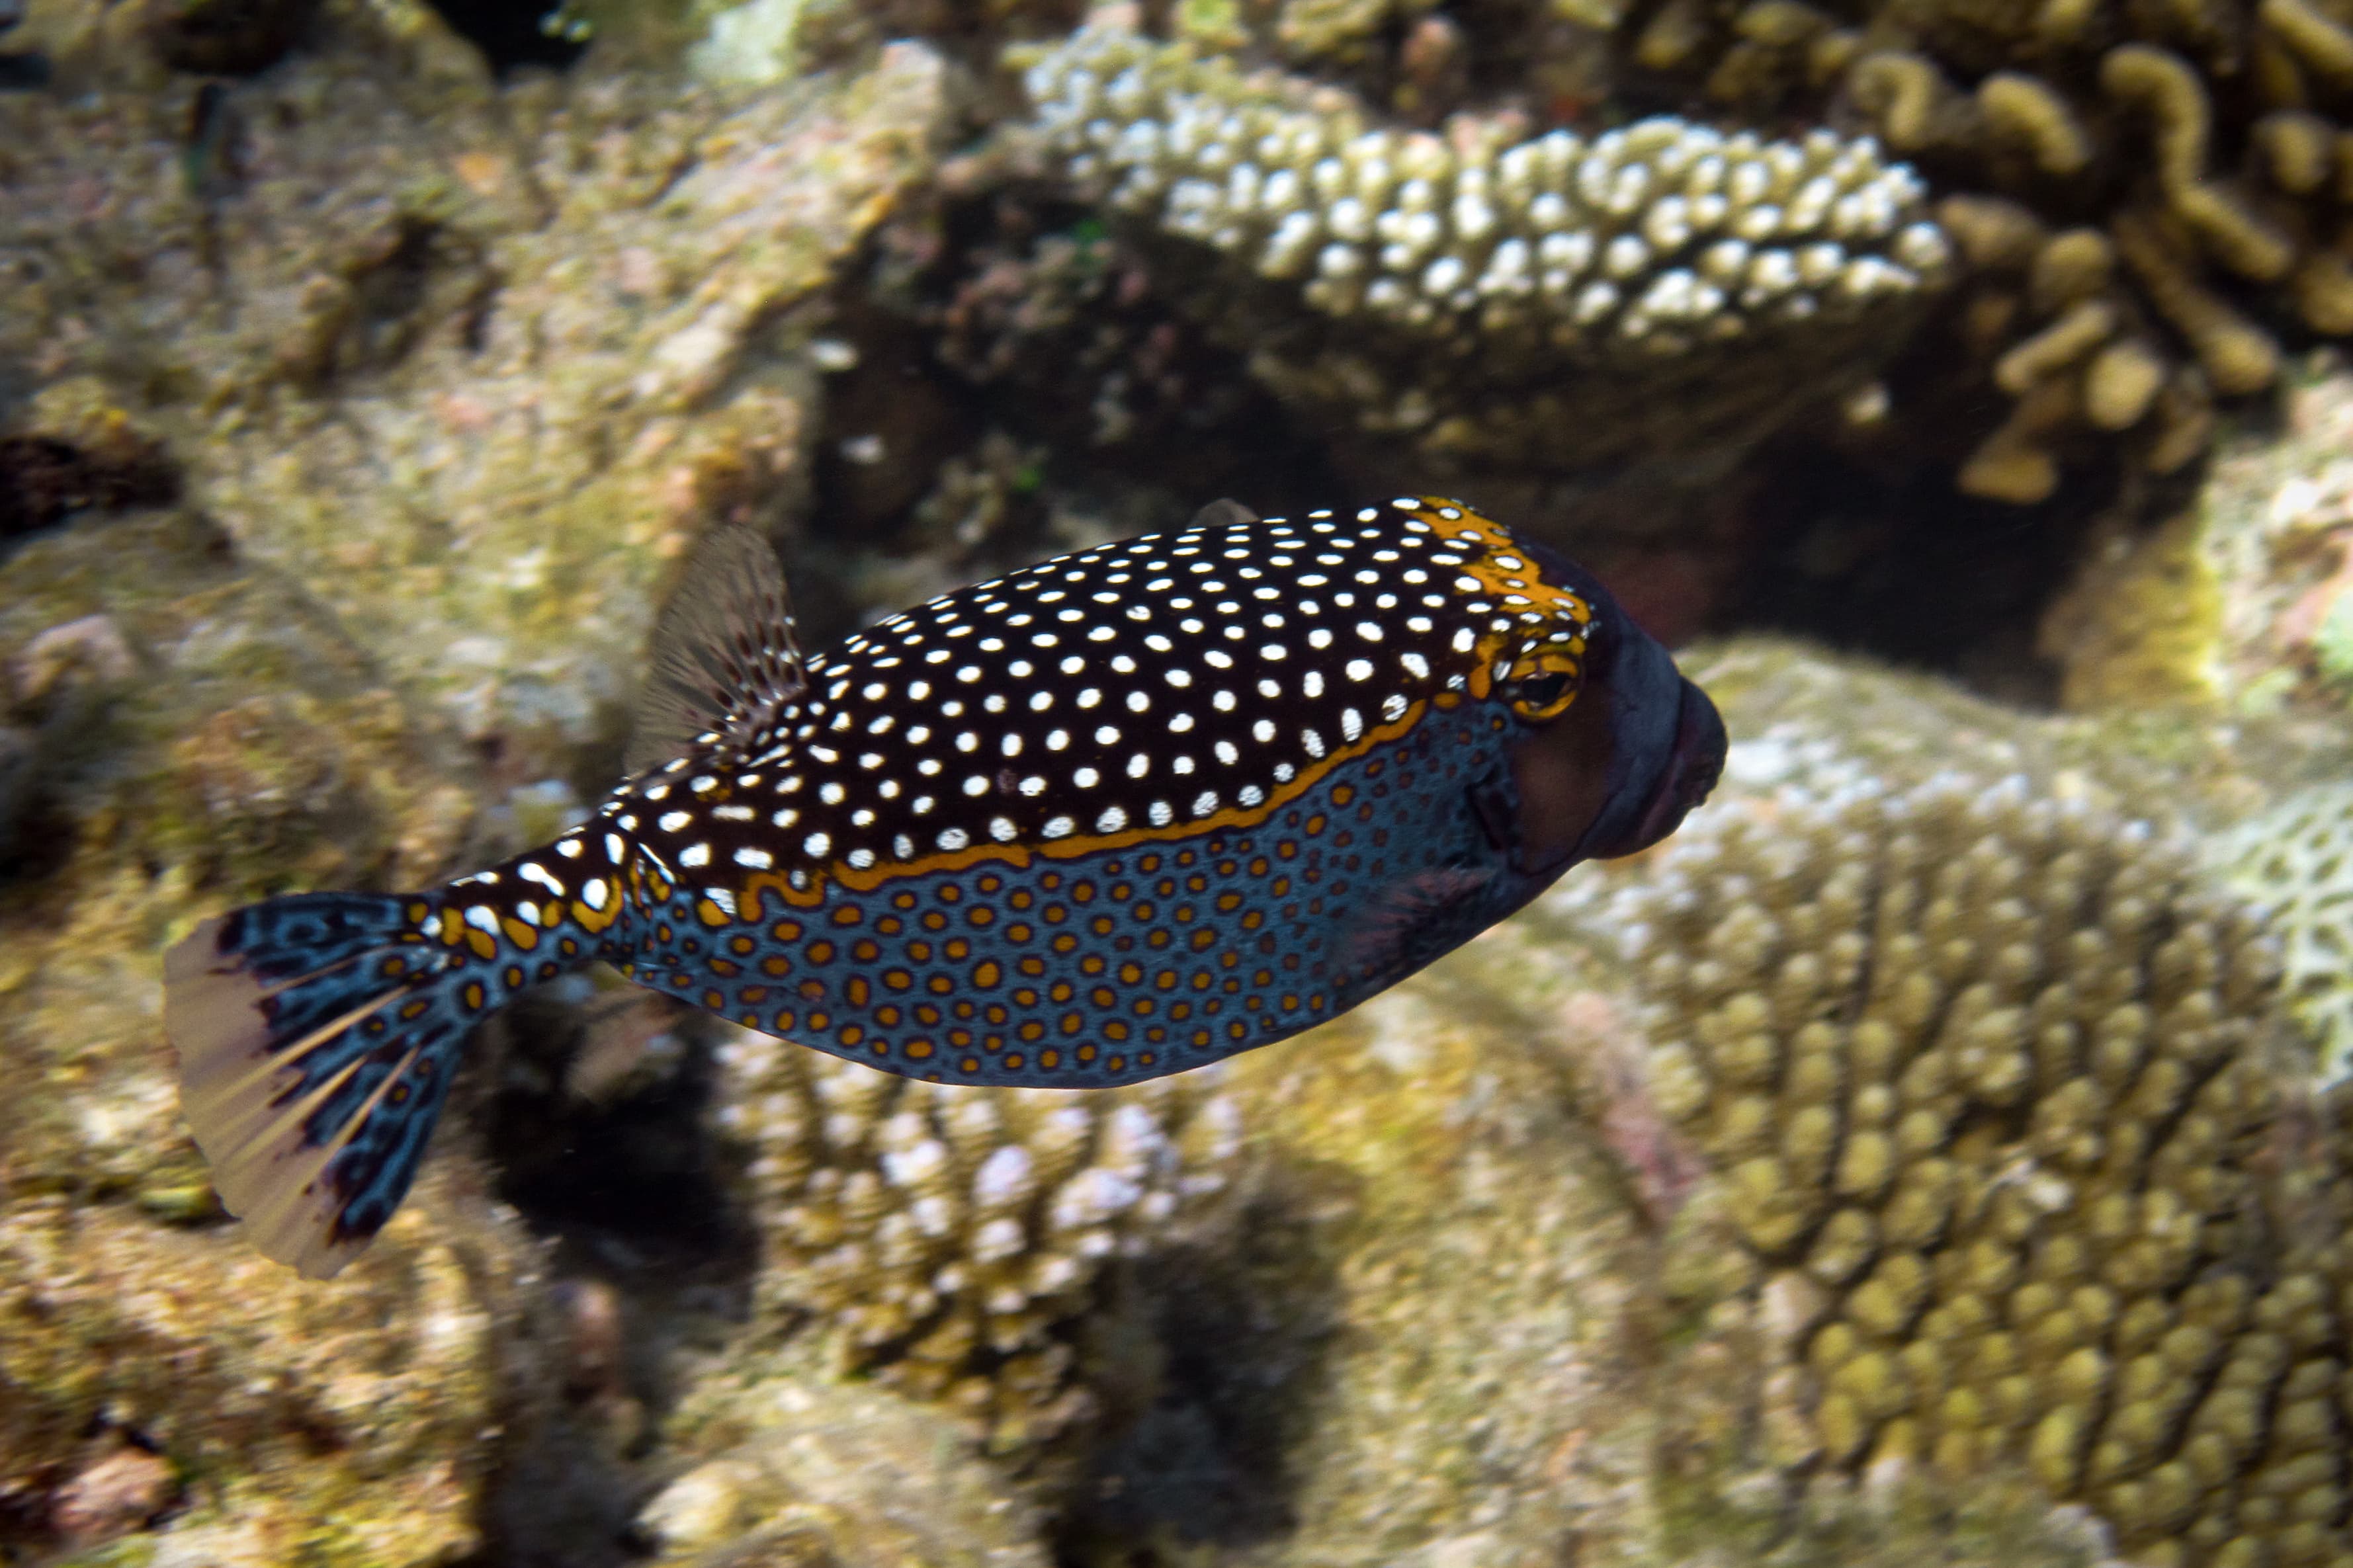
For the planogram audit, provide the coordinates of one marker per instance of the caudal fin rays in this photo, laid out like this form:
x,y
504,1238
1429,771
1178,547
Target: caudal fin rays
x,y
266,1069
291,1209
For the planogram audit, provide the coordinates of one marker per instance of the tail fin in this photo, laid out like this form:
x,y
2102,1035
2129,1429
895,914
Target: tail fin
x,y
317,1034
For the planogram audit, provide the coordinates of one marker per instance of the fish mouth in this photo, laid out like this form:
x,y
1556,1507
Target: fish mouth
x,y
1692,768
1694,761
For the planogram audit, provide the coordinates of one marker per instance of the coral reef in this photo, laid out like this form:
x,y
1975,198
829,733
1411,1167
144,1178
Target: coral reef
x,y
2230,603
2141,190
193,730
1943,1157
811,1472
469,366
1985,1078
175,1380
957,1240
1444,1332
2297,860
1418,1347
441,377
196,733
1479,301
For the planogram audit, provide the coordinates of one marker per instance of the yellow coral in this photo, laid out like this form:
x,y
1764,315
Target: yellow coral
x,y
2038,1056
2123,121
2140,626
2023,111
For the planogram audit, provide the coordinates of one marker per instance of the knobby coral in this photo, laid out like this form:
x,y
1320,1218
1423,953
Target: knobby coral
x,y
959,1240
1555,303
2298,861
2129,180
1986,1080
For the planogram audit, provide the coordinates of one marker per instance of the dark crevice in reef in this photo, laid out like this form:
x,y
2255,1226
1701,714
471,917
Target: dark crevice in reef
x,y
425,277
230,37
510,33
1894,564
43,480
1206,1459
596,1122
1008,361
1858,539
596,1108
1009,372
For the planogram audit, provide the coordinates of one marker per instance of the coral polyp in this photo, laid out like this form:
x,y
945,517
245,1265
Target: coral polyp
x,y
959,1241
1987,1078
1488,292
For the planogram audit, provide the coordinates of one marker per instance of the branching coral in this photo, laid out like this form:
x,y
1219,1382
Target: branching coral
x,y
1554,303
1984,1078
2298,861
2129,180
957,1238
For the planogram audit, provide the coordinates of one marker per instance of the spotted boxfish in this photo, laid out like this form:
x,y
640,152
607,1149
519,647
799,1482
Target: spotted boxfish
x,y
1113,816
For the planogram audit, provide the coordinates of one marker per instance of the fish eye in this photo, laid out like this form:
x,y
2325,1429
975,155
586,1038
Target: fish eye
x,y
1541,695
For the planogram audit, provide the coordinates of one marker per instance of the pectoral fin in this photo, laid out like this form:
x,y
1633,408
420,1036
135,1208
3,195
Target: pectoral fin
x,y
1398,928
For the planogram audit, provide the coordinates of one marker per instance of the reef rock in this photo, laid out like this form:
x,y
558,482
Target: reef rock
x,y
175,1381
196,733
195,730
349,417
470,366
802,1471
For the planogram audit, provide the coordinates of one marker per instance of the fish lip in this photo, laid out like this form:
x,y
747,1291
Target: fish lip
x,y
1693,769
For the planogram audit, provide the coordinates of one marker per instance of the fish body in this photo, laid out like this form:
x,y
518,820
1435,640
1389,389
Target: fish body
x,y
1117,815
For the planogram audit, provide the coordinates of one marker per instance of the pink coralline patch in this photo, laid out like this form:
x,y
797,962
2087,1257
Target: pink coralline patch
x,y
1662,1165
2299,625
113,1496
463,414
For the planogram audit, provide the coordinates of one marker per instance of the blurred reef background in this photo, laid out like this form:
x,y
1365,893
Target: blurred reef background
x,y
1939,1152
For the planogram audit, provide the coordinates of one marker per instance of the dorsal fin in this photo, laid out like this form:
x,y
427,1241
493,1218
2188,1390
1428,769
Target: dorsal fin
x,y
1223,513
726,661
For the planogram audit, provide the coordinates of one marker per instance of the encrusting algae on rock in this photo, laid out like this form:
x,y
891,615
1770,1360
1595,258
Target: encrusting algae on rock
x,y
198,728
363,1425
471,365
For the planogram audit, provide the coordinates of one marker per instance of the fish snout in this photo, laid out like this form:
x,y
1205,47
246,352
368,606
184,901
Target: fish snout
x,y
1692,770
